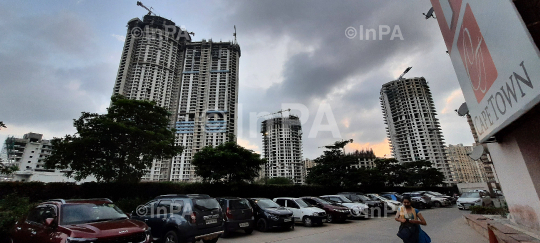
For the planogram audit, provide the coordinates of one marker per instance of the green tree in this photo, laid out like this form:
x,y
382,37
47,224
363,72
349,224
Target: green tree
x,y
117,146
8,169
228,163
389,171
421,173
279,181
334,168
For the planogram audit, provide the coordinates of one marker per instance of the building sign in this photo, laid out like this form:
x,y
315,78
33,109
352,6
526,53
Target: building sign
x,y
495,59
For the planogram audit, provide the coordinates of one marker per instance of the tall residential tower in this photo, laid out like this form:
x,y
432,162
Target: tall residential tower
x,y
412,128
196,81
282,148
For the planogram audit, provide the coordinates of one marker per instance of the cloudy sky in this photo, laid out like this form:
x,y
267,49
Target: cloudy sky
x,y
59,58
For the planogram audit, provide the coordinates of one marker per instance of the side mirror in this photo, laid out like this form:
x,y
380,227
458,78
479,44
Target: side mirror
x,y
50,222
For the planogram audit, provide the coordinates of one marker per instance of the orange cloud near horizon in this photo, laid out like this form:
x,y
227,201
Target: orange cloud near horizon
x,y
380,149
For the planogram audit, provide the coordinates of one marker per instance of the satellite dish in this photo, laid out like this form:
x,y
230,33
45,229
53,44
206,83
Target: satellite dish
x,y
429,14
477,152
463,109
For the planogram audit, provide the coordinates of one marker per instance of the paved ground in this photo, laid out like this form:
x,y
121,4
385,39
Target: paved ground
x,y
444,225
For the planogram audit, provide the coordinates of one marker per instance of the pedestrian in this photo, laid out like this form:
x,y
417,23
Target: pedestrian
x,y
411,219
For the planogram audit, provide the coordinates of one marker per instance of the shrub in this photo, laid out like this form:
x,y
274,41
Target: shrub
x,y
129,205
12,208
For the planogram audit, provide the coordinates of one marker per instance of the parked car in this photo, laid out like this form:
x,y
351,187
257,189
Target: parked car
x,y
238,215
356,209
334,212
468,199
302,212
437,200
419,201
268,214
393,195
375,206
391,205
80,220
183,218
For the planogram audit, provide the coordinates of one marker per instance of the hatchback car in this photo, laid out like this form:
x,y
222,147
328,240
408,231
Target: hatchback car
x,y
182,218
80,220
302,212
468,199
269,214
334,211
238,215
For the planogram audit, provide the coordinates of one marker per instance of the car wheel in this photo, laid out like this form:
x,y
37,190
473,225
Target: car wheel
x,y
171,237
262,225
437,204
226,233
329,218
211,241
248,231
292,226
307,221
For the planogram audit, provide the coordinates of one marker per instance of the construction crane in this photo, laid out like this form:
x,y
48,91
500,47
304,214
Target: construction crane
x,y
279,112
139,3
234,34
404,72
338,145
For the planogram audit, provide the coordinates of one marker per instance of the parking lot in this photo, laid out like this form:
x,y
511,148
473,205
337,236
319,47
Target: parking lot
x,y
444,225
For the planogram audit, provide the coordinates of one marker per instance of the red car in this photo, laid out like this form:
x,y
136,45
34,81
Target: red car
x,y
79,221
334,213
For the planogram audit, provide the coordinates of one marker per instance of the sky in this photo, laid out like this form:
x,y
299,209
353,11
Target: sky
x,y
60,58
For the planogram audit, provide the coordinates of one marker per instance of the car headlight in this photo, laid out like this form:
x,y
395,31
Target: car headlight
x,y
80,240
315,214
272,216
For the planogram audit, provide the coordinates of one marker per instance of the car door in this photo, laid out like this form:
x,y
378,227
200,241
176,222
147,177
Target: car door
x,y
47,233
146,214
297,212
25,231
34,228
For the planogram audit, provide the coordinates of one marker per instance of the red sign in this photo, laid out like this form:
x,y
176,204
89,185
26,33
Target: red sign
x,y
475,55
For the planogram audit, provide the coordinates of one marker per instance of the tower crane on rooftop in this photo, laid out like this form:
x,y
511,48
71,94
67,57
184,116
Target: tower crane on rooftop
x,y
139,3
279,112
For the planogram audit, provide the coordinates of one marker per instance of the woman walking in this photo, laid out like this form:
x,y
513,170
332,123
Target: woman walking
x,y
411,219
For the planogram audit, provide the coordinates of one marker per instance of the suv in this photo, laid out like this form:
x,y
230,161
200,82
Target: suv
x,y
80,220
334,212
182,218
269,214
238,214
438,200
302,211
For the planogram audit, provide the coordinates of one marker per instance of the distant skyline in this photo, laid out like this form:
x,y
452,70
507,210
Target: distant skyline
x,y
60,58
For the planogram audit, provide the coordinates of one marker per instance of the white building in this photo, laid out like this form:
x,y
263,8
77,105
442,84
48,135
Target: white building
x,y
29,153
366,159
282,148
465,169
196,81
412,127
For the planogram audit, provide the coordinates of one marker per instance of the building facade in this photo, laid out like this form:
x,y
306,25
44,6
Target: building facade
x,y
366,159
28,153
465,169
413,130
282,148
196,81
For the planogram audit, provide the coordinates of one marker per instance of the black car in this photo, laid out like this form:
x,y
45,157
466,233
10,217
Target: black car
x,y
238,215
269,214
182,218
374,206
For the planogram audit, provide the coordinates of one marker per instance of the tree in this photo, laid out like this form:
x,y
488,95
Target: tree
x,y
421,173
228,163
334,168
279,181
117,146
390,171
8,169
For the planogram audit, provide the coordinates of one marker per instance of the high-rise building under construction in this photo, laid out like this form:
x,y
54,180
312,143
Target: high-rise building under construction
x,y
196,81
413,130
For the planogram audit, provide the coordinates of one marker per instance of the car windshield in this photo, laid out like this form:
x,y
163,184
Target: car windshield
x,y
89,212
322,201
301,203
206,204
435,193
344,199
267,203
471,195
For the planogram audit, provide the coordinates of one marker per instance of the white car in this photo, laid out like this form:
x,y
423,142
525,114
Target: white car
x,y
468,199
357,209
393,204
302,212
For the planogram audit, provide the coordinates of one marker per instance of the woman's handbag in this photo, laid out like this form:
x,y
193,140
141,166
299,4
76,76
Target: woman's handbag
x,y
408,232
